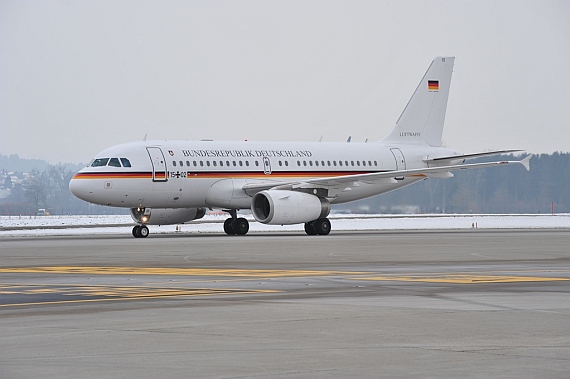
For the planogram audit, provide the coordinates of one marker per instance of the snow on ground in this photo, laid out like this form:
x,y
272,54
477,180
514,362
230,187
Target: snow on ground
x,y
72,225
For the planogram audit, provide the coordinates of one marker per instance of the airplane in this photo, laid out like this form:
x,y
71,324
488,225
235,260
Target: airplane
x,y
283,183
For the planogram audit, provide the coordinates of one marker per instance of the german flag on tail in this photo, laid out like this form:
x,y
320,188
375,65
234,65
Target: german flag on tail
x,y
433,85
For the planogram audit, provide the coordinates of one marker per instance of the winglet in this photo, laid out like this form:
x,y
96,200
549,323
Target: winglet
x,y
526,162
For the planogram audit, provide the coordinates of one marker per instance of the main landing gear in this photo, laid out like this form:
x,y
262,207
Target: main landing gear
x,y
236,225
140,231
321,226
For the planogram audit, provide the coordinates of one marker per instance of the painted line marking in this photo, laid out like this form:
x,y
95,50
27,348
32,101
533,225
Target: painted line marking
x,y
466,279
63,294
92,270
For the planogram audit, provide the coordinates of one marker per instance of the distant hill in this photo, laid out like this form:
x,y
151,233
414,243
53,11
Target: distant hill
x,y
15,163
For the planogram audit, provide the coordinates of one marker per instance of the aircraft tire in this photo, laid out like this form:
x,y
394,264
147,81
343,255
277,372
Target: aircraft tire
x,y
143,231
322,226
310,228
229,227
136,231
241,226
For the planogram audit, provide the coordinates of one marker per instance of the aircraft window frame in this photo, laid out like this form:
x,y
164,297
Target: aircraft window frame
x,y
114,162
125,162
99,162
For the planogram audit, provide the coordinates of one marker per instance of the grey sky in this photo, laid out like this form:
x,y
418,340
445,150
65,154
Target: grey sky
x,y
79,76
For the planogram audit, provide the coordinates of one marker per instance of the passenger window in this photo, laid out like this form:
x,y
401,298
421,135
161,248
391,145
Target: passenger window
x,y
221,163
234,163
310,163
316,163
174,163
280,163
334,163
195,164
215,164
257,163
125,162
375,163
208,163
351,163
202,163
340,163
228,163
181,164
298,163
247,163
286,163
304,163
358,163
100,162
188,163
322,163
240,163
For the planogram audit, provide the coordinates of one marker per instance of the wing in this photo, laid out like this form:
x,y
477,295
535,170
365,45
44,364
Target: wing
x,y
371,178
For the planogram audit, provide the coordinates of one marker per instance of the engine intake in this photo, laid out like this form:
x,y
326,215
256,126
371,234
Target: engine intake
x,y
282,207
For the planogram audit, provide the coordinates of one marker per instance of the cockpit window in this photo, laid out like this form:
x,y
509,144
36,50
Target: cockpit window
x,y
125,162
114,162
100,162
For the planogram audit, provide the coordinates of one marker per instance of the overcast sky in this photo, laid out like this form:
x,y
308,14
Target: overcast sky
x,y
79,76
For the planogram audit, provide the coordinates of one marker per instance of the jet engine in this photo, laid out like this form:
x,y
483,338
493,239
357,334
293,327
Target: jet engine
x,y
166,216
283,207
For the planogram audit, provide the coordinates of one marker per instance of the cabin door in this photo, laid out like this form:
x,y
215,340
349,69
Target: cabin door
x,y
158,164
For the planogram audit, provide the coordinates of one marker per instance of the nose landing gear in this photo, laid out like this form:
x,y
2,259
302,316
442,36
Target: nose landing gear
x,y
140,231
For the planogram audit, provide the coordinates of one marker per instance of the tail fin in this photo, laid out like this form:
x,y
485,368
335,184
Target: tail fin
x,y
421,122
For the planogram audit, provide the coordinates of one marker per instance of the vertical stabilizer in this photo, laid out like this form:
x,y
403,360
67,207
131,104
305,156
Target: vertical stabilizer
x,y
421,122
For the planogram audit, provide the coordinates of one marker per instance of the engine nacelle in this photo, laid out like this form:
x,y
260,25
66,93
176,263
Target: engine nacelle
x,y
166,216
281,207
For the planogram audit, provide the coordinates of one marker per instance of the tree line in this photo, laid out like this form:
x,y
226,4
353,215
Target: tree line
x,y
503,189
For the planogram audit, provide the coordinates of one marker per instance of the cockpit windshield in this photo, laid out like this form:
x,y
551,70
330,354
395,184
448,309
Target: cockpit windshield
x,y
113,162
98,162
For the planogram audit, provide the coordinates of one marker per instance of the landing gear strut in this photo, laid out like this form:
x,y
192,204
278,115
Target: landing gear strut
x,y
234,225
321,226
140,231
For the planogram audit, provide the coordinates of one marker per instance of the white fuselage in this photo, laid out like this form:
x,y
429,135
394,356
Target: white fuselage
x,y
187,174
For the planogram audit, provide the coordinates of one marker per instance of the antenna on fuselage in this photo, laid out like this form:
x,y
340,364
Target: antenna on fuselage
x,y
349,139
144,138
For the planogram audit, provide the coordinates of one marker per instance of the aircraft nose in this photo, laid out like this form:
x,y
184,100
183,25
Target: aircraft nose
x,y
80,188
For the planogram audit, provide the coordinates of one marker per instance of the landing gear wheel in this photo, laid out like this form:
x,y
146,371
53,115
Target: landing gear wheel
x,y
241,226
322,226
140,231
310,228
143,231
229,227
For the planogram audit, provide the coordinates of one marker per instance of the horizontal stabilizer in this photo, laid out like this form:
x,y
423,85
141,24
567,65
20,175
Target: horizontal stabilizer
x,y
469,156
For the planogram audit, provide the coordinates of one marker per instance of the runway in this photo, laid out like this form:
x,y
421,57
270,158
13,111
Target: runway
x,y
475,303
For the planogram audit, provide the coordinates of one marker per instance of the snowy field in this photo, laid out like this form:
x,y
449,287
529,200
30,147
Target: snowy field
x,y
88,225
